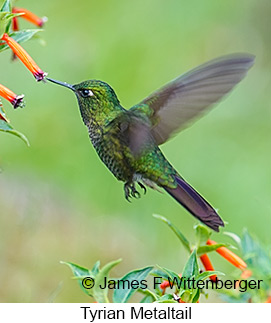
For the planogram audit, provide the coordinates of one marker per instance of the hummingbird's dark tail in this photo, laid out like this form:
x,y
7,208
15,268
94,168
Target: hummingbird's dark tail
x,y
195,204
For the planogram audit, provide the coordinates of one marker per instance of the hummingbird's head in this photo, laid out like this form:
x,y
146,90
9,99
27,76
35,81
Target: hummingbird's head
x,y
96,98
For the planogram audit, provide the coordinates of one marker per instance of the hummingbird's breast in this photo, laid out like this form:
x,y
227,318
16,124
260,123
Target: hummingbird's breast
x,y
111,151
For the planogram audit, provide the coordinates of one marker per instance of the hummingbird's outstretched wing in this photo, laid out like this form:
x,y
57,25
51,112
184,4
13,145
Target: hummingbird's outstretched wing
x,y
190,94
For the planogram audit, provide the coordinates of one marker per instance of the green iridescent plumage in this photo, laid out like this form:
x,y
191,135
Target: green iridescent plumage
x,y
127,140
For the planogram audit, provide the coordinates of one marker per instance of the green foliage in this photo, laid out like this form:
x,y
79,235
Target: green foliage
x,y
123,295
185,287
202,234
205,249
167,273
129,284
149,297
255,255
5,17
101,295
6,6
79,273
99,275
191,268
259,264
124,290
6,127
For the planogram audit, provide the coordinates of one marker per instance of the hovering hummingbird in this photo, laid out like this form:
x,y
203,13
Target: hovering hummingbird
x,y
127,141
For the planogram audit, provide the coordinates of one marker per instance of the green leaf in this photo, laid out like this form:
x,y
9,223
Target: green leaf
x,y
178,233
196,295
149,296
202,234
96,268
205,249
186,296
234,237
5,17
147,299
6,6
159,273
79,272
9,17
99,294
171,274
6,127
123,295
4,22
167,298
191,268
207,274
21,36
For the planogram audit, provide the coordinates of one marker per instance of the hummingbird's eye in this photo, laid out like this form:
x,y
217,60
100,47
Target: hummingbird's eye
x,y
85,93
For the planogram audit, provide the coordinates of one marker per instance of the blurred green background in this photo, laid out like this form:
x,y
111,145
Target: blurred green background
x,y
59,202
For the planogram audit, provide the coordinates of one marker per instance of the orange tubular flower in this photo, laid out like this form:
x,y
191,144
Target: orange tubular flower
x,y
30,16
208,265
15,100
24,57
229,255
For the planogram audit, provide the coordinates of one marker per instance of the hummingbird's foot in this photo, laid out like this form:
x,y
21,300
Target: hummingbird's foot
x,y
130,191
143,187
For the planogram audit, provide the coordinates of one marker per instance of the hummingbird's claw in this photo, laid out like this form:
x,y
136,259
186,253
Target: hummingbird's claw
x,y
128,197
127,191
135,193
143,187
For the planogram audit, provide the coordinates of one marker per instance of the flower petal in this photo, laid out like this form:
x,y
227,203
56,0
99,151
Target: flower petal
x,y
28,61
30,16
229,255
15,100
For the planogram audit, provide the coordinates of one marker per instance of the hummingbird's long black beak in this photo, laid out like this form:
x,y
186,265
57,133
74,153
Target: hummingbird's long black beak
x,y
69,86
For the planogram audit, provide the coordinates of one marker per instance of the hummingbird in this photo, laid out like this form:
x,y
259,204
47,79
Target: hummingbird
x,y
127,141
